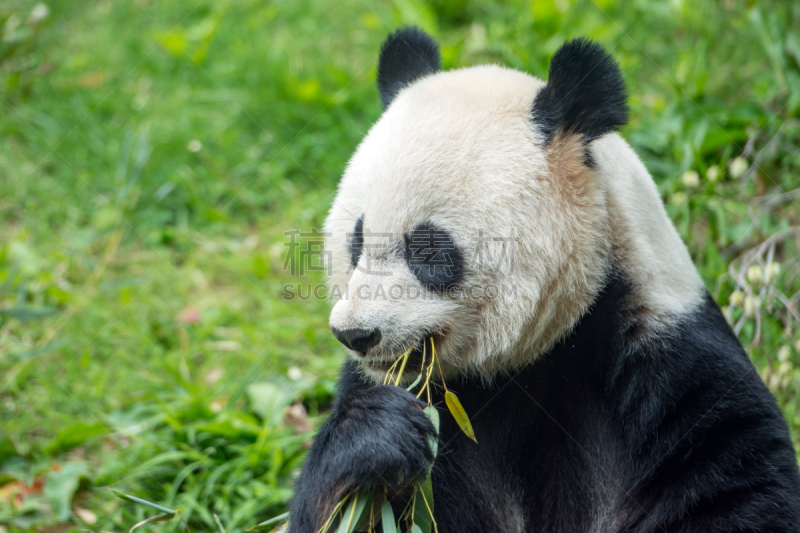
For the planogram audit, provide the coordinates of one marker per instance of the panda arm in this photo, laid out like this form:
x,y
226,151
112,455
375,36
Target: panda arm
x,y
376,434
709,448
350,381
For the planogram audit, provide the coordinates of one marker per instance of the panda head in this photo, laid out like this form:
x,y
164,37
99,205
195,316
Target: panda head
x,y
472,212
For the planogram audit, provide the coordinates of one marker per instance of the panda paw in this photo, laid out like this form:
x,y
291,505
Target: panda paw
x,y
385,434
376,436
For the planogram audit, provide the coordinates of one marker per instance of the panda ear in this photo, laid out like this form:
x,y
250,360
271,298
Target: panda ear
x,y
407,55
585,94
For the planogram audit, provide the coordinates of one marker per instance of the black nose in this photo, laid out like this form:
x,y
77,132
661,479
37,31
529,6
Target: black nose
x,y
359,340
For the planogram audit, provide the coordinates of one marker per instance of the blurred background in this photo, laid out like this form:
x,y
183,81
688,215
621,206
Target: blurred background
x,y
153,155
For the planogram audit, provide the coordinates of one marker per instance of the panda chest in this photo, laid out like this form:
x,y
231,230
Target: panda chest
x,y
546,459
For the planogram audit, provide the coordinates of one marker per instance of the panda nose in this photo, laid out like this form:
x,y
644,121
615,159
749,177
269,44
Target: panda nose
x,y
359,340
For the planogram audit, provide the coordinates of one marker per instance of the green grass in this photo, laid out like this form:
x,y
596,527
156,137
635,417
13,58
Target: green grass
x,y
111,228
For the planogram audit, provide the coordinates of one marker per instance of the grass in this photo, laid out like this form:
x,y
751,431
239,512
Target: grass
x,y
153,155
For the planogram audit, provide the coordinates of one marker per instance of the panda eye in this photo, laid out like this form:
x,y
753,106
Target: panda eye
x,y
355,241
433,257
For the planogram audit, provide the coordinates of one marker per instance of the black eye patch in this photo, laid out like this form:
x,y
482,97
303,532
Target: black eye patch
x,y
355,241
433,257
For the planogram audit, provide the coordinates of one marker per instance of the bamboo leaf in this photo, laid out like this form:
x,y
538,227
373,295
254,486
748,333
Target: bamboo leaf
x,y
422,515
415,529
352,515
416,381
433,415
325,527
427,495
282,527
280,521
454,405
387,518
349,519
272,521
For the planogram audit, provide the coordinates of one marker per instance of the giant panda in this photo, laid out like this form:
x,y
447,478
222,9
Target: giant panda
x,y
606,391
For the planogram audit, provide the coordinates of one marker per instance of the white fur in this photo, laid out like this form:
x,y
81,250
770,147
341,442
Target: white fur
x,y
654,254
459,149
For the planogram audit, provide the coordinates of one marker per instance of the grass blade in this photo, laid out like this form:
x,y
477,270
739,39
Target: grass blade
x,y
134,499
158,518
454,405
219,524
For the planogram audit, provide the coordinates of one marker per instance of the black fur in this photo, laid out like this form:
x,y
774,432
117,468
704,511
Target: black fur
x,y
610,431
356,241
677,435
375,435
407,55
585,93
433,257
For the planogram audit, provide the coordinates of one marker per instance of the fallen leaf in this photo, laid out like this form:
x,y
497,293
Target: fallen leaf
x,y
92,80
213,376
18,491
223,346
86,515
296,417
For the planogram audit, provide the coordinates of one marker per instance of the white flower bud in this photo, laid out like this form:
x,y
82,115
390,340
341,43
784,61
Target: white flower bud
x,y
784,352
738,167
712,174
750,305
736,298
691,179
774,381
679,198
38,14
771,272
194,146
755,275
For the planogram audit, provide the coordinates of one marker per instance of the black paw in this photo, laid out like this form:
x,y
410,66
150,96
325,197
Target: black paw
x,y
376,436
383,433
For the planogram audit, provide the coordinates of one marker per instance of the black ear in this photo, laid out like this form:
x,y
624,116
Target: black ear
x,y
585,93
406,55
